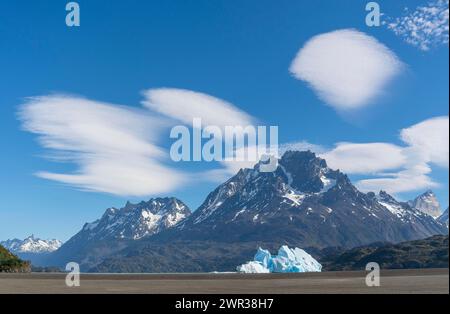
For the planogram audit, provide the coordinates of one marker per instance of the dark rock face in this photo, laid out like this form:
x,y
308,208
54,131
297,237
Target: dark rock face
x,y
306,171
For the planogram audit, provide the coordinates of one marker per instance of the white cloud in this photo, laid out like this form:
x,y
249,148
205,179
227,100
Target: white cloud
x,y
430,140
185,105
365,158
413,175
115,147
346,68
425,27
112,145
413,179
393,168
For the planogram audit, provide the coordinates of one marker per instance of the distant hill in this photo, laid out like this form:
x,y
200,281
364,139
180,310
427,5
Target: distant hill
x,y
10,263
427,253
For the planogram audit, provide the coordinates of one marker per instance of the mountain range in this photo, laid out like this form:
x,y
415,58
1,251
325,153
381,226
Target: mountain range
x,y
31,244
32,248
117,228
303,203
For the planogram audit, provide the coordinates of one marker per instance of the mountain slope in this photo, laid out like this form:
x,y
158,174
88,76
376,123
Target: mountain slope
x,y
119,227
303,204
443,219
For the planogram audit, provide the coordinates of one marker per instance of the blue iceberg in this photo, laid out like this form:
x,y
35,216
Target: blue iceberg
x,y
287,261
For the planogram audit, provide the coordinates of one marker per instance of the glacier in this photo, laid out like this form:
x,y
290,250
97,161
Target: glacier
x,y
287,261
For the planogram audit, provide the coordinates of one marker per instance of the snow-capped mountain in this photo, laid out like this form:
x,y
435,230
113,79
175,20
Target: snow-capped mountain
x,y
444,218
31,245
135,221
401,209
302,204
427,203
306,204
117,227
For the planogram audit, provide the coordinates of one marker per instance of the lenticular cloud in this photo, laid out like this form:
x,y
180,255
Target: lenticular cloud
x,y
347,69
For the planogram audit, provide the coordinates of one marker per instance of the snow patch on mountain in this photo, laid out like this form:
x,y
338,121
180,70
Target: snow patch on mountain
x,y
237,214
393,208
296,198
327,183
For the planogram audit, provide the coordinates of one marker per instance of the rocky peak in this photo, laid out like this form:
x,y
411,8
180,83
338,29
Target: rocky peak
x,y
306,172
385,197
427,203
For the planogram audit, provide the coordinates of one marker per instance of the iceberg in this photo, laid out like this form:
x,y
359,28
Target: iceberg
x,y
263,257
287,261
253,268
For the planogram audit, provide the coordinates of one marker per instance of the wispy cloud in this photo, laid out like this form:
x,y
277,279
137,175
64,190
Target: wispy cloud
x,y
364,158
113,146
412,179
116,148
425,27
346,68
185,105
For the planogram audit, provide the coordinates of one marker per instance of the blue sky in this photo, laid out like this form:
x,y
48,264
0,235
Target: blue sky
x,y
236,51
